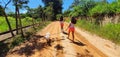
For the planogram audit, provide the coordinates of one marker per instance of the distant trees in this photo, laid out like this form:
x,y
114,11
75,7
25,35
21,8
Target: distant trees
x,y
36,13
54,7
50,11
91,7
11,14
81,7
95,9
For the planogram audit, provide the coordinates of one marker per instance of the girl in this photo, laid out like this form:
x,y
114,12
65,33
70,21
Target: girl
x,y
61,23
71,27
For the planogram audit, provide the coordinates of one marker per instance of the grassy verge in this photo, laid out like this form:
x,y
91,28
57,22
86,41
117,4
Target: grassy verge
x,y
109,31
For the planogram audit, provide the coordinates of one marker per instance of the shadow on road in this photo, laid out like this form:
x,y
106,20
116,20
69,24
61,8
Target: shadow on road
x,y
3,49
78,43
29,47
38,36
65,33
37,42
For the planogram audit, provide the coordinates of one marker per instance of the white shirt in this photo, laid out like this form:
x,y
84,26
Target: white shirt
x,y
71,25
61,21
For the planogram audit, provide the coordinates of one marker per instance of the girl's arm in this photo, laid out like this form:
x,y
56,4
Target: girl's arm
x,y
68,26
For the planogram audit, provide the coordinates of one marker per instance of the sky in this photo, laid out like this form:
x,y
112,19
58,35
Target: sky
x,y
35,4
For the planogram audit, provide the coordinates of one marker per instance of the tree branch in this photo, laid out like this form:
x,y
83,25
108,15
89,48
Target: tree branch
x,y
7,4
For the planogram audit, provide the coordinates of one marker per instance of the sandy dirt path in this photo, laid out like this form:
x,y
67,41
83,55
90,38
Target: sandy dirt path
x,y
106,46
60,45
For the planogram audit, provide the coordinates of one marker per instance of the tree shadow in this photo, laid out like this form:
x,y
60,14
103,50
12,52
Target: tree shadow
x,y
58,47
84,55
3,49
30,47
27,49
38,36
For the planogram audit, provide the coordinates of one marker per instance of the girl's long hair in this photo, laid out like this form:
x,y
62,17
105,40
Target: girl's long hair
x,y
61,18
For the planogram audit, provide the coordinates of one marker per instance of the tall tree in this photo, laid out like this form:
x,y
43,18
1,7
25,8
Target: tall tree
x,y
1,11
6,17
16,16
57,6
49,11
19,4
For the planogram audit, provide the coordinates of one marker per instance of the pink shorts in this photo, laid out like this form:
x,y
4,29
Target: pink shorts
x,y
71,29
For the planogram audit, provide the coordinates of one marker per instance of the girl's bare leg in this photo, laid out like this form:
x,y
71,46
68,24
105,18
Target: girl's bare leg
x,y
61,28
73,35
68,34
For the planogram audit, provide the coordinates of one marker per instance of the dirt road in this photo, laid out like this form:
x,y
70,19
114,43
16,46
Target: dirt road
x,y
60,45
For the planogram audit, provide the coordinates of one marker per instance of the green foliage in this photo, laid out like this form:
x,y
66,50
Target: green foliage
x,y
26,21
3,24
49,11
92,7
81,7
35,12
58,16
98,9
67,13
109,31
101,8
56,7
76,11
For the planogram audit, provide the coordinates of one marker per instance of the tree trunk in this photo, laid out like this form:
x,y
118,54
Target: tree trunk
x,y
42,17
20,23
33,23
10,29
16,18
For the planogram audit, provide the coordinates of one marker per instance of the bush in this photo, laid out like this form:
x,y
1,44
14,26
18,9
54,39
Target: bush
x,y
16,41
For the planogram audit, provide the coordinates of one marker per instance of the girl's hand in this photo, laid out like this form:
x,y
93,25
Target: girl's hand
x,y
66,29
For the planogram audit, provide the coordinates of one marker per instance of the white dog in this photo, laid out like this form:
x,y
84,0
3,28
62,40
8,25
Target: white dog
x,y
47,36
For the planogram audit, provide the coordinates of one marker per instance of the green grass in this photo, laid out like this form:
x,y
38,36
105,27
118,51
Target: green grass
x,y
4,27
109,31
